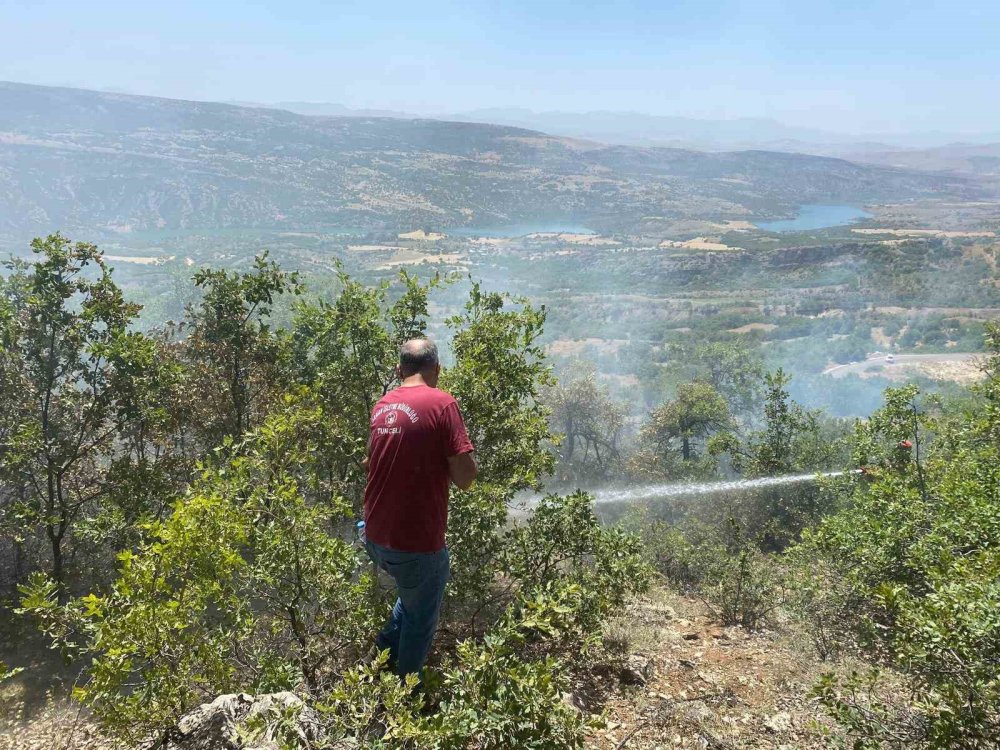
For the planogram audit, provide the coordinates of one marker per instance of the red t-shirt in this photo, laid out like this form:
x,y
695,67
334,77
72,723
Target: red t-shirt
x,y
413,432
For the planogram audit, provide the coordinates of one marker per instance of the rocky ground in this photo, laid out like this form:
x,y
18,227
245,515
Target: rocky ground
x,y
712,687
689,684
57,725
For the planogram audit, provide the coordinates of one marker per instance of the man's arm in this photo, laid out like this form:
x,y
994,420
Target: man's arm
x,y
458,448
462,469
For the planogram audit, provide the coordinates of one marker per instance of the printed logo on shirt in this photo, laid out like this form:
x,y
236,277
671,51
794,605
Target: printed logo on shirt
x,y
391,410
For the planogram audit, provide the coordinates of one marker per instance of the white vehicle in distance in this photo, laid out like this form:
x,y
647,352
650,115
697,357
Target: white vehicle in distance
x,y
890,358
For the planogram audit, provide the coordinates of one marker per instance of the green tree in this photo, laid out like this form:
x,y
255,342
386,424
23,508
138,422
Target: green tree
x,y
235,362
733,368
497,378
791,440
149,464
590,423
72,369
777,448
346,351
676,433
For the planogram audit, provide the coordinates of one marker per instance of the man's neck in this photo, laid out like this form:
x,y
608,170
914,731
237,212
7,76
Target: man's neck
x,y
414,380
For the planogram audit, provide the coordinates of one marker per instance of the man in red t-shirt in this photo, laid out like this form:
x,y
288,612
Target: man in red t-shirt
x,y
418,445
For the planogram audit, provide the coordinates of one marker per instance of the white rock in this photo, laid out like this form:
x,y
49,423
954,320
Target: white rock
x,y
217,725
780,722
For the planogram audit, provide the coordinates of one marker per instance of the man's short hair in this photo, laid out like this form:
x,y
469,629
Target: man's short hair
x,y
417,355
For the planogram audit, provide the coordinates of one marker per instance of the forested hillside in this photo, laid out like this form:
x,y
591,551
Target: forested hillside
x,y
177,506
84,160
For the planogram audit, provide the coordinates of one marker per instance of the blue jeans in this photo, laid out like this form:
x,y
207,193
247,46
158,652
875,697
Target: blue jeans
x,y
420,578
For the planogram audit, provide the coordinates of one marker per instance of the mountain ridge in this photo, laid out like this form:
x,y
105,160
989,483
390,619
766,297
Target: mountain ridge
x,y
641,128
79,159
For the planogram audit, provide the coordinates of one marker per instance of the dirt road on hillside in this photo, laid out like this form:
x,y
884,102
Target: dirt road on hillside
x,y
880,361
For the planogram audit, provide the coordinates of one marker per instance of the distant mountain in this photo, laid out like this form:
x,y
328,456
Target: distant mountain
x,y
743,133
632,128
329,109
962,158
636,128
86,161
641,129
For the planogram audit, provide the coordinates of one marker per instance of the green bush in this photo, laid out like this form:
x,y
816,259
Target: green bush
x,y
920,548
244,587
563,542
820,596
494,698
741,586
498,375
500,692
672,552
719,564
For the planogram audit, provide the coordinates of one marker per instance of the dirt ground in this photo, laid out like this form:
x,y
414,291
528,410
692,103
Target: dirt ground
x,y
705,687
35,712
59,725
712,687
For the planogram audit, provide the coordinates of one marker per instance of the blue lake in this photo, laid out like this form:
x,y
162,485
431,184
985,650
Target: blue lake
x,y
815,216
518,230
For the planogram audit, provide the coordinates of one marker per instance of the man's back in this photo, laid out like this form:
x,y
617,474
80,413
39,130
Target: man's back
x,y
414,430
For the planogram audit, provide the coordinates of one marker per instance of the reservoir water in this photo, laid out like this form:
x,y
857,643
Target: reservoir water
x,y
816,216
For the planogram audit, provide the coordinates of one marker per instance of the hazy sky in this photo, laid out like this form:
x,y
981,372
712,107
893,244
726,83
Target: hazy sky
x,y
847,65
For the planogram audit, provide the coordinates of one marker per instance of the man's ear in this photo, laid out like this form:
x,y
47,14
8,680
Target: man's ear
x,y
399,372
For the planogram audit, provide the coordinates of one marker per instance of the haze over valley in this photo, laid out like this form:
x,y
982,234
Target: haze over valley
x,y
631,247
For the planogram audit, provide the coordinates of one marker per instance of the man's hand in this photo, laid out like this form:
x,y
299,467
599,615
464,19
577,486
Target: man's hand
x,y
462,469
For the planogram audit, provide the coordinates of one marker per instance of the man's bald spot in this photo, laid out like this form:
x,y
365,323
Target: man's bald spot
x,y
417,355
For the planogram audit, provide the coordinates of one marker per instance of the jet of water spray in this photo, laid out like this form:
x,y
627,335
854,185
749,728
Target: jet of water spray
x,y
688,489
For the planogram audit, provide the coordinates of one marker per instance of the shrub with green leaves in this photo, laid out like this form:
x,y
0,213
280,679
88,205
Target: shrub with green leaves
x,y
920,547
742,588
821,597
562,542
493,698
497,378
717,562
244,587
673,552
502,691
